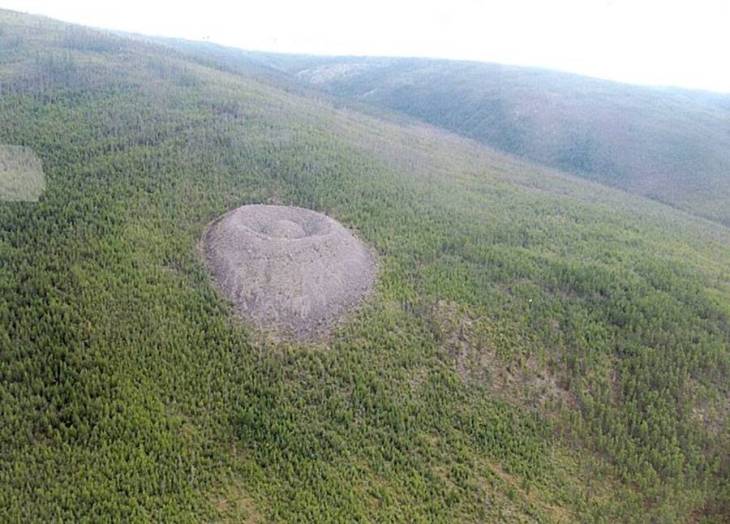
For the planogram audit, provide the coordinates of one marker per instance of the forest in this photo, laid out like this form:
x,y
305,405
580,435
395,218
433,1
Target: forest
x,y
21,174
539,347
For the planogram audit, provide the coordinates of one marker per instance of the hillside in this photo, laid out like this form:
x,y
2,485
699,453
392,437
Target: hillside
x,y
538,347
666,144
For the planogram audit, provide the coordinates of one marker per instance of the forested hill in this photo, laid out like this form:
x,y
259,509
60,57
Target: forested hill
x,y
670,145
538,347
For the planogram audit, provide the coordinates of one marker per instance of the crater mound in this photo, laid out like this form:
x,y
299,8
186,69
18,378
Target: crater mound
x,y
287,269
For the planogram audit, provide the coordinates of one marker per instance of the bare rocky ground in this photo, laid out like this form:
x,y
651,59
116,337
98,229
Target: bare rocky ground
x,y
288,270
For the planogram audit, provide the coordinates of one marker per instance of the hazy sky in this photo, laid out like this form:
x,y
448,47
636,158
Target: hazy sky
x,y
669,42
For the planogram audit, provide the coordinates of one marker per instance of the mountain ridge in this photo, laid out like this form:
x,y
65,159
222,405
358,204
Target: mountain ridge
x,y
668,144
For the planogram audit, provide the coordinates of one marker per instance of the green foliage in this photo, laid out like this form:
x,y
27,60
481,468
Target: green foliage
x,y
127,392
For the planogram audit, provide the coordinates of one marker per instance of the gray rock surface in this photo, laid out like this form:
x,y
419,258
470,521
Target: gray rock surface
x,y
289,270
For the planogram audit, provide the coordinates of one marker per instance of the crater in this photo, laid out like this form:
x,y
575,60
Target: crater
x,y
281,222
286,229
288,270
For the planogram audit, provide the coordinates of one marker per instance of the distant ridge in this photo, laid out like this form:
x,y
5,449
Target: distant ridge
x,y
669,144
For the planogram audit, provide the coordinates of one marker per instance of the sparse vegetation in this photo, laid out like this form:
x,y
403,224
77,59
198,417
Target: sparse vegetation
x,y
21,175
667,144
128,393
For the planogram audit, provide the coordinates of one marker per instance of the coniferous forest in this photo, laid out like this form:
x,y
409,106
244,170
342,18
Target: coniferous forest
x,y
538,347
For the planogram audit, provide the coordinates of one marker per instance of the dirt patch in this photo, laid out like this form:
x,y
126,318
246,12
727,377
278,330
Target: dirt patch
x,y
232,503
21,175
521,379
710,406
288,270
